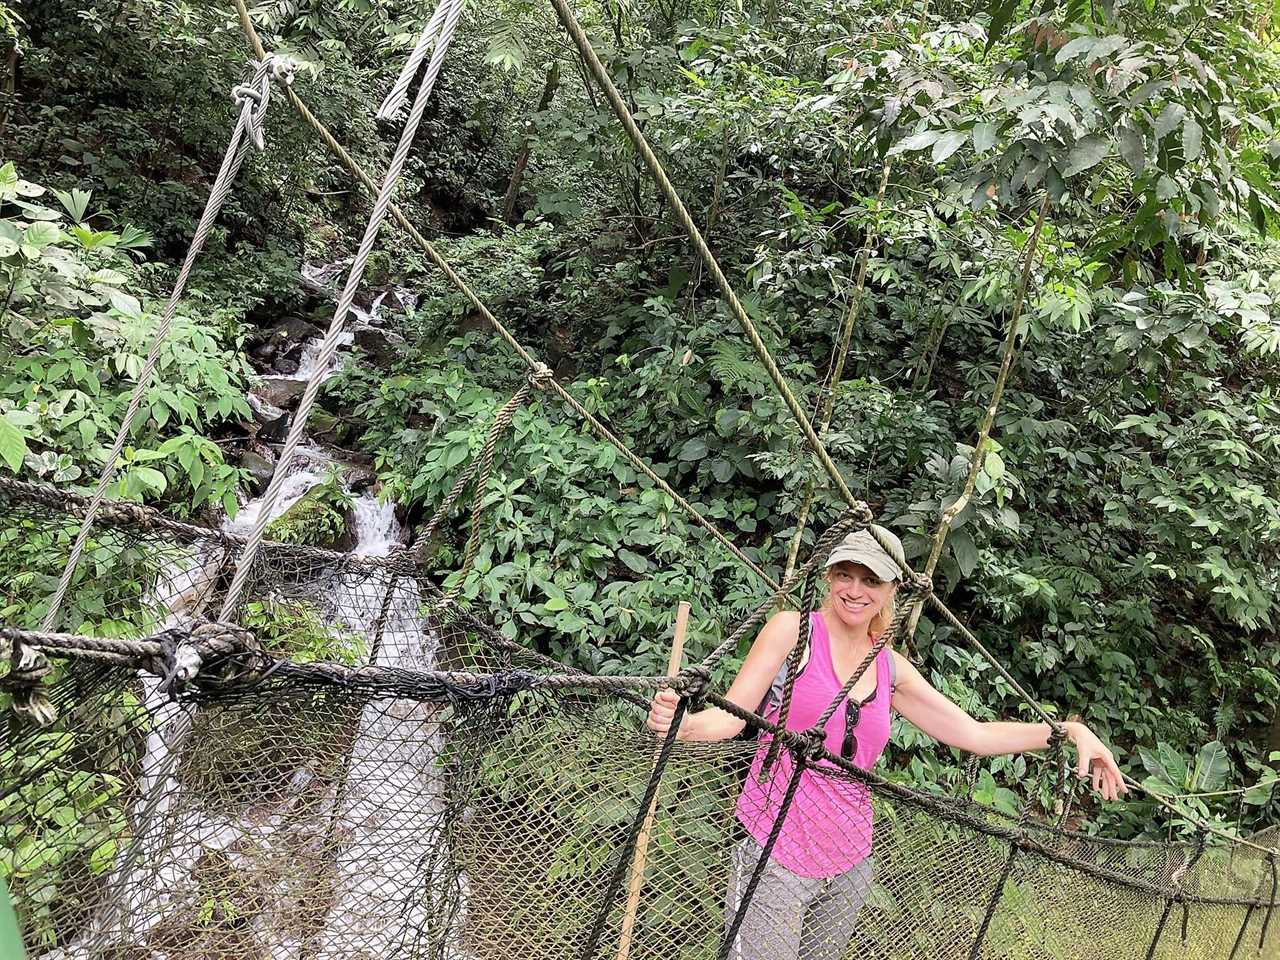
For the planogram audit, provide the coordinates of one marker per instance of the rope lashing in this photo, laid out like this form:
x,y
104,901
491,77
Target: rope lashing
x,y
693,682
223,651
254,97
329,344
540,375
1063,789
1176,895
27,669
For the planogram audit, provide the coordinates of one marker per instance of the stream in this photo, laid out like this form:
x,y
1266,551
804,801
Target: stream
x,y
357,844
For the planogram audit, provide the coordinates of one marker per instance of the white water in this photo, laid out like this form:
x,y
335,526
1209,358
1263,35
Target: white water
x,y
393,794
386,810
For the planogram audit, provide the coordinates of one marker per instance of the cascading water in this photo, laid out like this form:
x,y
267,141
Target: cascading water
x,y
384,802
391,793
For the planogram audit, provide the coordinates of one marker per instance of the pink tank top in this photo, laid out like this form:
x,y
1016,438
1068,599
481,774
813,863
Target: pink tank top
x,y
827,830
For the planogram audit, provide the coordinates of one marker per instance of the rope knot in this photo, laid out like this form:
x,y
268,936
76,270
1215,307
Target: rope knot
x,y
132,514
27,668
1057,738
540,375
811,744
282,68
403,562
692,683
254,97
919,585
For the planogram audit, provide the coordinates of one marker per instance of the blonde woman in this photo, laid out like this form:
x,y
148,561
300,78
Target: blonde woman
x,y
819,874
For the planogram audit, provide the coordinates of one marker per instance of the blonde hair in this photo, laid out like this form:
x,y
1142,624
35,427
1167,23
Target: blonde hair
x,y
880,622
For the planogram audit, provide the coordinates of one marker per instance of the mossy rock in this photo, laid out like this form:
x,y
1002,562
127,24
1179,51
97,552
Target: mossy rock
x,y
320,518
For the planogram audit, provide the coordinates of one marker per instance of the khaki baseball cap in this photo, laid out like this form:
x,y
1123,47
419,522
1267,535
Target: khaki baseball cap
x,y
861,547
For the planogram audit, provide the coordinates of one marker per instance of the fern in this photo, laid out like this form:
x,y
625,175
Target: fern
x,y
734,367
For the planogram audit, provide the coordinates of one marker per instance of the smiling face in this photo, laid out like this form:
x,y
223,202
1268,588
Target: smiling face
x,y
856,594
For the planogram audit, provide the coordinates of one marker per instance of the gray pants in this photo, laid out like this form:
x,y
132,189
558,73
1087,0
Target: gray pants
x,y
792,917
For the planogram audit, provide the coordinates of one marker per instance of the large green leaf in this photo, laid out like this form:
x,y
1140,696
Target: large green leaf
x,y
1086,154
1212,768
13,444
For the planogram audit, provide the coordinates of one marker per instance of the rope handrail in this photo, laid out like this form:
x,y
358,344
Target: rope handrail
x,y
601,75
226,640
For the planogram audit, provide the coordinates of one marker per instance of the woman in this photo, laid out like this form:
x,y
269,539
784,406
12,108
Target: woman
x,y
819,874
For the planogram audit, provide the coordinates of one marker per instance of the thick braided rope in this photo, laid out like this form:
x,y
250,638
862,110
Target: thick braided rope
x,y
329,346
605,81
827,405
253,100
500,424
521,351
821,550
482,463
396,96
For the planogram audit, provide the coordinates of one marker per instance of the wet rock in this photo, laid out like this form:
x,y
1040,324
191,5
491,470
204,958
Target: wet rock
x,y
259,467
324,427
381,346
281,392
320,518
286,333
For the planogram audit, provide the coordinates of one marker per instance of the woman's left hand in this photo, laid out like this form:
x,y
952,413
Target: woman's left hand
x,y
1092,753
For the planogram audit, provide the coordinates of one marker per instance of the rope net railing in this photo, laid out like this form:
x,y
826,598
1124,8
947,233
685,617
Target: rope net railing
x,y
452,795
341,762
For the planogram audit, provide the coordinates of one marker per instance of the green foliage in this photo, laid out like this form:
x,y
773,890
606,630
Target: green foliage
x,y
73,342
296,630
61,829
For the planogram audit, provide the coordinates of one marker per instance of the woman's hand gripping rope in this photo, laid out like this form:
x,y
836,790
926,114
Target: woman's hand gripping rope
x,y
662,711
1094,760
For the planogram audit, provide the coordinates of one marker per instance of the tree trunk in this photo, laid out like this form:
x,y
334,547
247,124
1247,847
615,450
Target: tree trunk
x,y
522,158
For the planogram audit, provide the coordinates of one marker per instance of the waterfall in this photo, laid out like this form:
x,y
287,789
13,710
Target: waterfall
x,y
390,797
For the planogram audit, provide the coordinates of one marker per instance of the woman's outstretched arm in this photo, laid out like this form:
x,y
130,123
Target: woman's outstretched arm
x,y
770,648
917,700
